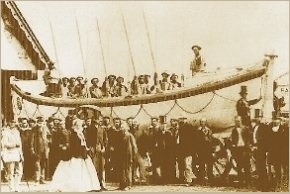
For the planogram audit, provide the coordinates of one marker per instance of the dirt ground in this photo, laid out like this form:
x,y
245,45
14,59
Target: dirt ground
x,y
32,187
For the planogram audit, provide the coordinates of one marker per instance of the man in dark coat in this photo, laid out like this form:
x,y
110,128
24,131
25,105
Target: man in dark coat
x,y
114,138
243,106
276,136
128,150
40,148
25,134
241,140
259,149
187,136
97,140
205,156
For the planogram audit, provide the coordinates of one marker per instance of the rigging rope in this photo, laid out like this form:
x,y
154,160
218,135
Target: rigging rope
x,y
25,109
37,110
101,45
189,112
80,44
149,41
129,46
224,97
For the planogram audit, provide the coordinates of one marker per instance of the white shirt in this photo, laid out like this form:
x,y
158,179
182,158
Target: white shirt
x,y
255,134
241,141
275,128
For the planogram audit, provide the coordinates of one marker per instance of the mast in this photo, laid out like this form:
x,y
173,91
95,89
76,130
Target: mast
x,y
149,42
268,90
80,44
102,50
54,44
129,46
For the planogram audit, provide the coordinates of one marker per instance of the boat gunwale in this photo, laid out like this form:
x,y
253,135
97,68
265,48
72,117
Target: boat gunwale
x,y
241,76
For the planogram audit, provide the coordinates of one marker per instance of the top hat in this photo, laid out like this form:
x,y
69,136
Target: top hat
x,y
162,119
196,46
244,90
258,113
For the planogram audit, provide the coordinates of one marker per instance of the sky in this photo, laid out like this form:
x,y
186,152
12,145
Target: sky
x,y
230,34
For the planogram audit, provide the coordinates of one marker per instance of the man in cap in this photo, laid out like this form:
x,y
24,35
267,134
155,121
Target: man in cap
x,y
82,89
197,64
108,86
134,87
120,89
205,151
95,90
11,155
164,83
39,146
73,87
65,84
241,140
243,106
173,82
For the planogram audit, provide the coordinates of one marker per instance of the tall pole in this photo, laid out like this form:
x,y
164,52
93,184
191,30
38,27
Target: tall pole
x,y
80,44
101,45
149,42
129,46
268,91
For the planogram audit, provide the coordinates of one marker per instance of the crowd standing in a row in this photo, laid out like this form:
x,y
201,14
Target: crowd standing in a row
x,y
122,152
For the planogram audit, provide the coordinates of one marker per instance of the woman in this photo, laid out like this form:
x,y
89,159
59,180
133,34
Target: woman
x,y
78,173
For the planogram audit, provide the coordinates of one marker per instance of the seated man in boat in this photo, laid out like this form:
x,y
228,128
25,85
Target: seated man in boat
x,y
82,89
52,80
243,106
108,86
173,82
73,88
120,89
64,89
135,86
95,90
164,83
197,64
143,86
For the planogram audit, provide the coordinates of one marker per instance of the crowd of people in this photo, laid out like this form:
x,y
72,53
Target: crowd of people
x,y
113,86
160,154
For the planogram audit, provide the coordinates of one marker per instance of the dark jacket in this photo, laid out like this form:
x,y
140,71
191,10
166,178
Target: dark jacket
x,y
40,140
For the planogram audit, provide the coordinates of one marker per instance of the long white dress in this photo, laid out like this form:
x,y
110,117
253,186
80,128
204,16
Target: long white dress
x,y
77,174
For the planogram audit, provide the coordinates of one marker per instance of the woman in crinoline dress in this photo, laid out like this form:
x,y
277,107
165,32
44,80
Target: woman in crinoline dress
x,y
76,173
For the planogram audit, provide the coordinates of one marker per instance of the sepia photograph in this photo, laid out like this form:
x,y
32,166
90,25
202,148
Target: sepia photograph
x,y
144,96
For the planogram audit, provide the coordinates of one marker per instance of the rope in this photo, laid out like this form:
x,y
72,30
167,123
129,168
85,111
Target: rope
x,y
80,44
224,97
149,41
59,111
101,45
129,46
189,112
25,109
148,114
138,112
37,110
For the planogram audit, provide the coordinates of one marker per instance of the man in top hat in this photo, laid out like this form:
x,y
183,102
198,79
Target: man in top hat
x,y
173,82
197,64
164,83
243,106
95,90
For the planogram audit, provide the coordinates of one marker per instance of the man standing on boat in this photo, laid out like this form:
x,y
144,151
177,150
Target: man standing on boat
x,y
243,106
198,64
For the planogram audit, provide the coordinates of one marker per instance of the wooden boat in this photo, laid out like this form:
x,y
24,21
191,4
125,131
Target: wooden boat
x,y
212,95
